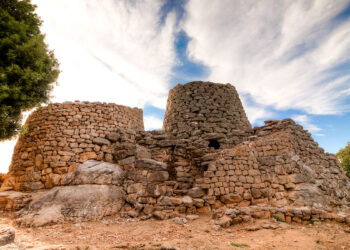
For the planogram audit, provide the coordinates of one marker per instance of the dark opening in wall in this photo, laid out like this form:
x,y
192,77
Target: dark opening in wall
x,y
214,144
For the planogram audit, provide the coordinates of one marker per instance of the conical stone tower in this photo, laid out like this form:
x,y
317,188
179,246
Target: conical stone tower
x,y
208,111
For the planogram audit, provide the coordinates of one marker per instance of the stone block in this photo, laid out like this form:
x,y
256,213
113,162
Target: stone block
x,y
150,164
87,156
101,141
158,176
256,193
196,192
231,198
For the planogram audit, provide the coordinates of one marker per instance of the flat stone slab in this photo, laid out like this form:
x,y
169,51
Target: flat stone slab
x,y
13,201
96,172
72,203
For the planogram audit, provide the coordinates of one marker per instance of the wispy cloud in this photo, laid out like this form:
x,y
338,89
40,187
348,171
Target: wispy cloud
x,y
109,51
306,122
152,122
284,54
255,112
112,51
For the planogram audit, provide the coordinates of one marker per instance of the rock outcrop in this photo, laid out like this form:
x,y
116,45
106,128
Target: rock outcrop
x,y
73,203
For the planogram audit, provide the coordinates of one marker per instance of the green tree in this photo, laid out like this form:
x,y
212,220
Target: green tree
x,y
344,157
27,68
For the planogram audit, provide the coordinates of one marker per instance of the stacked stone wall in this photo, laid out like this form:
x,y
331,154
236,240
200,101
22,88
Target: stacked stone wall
x,y
324,180
206,110
61,136
281,166
273,170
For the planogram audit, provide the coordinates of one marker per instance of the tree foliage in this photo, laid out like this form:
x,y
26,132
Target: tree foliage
x,y
344,157
27,68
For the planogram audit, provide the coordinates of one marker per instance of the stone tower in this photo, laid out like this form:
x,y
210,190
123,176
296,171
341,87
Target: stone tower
x,y
62,135
207,157
206,110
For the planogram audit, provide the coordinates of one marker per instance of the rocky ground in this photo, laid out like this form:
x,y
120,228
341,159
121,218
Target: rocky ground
x,y
179,233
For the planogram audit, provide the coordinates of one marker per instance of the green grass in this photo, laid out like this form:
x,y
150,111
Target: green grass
x,y
277,218
238,245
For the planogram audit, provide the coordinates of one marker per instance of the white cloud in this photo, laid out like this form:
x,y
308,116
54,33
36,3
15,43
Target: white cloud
x,y
279,52
152,122
6,150
319,134
7,147
111,51
304,120
255,112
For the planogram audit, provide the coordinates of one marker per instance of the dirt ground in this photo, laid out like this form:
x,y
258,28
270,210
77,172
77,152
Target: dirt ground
x,y
202,233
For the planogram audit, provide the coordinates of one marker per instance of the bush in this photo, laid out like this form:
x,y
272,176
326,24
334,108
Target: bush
x,y
344,157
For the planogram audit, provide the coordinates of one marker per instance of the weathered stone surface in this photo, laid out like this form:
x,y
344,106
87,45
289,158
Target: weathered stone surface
x,y
88,156
62,135
171,201
224,221
160,215
199,115
101,141
158,176
181,221
150,164
207,158
187,200
96,172
14,201
196,192
113,137
310,195
75,203
7,235
192,217
135,188
231,198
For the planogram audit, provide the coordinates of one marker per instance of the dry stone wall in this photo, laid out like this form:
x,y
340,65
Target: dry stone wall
x,y
167,175
273,170
319,177
206,110
61,136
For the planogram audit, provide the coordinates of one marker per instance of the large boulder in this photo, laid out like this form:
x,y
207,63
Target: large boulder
x,y
309,195
96,172
72,203
13,201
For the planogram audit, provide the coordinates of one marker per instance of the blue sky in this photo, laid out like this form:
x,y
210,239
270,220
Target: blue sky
x,y
287,59
331,131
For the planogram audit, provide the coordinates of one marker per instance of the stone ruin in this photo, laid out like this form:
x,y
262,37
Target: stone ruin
x,y
85,161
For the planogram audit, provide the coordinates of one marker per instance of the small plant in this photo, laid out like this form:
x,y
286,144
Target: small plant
x,y
313,221
126,175
231,223
24,129
238,245
277,218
